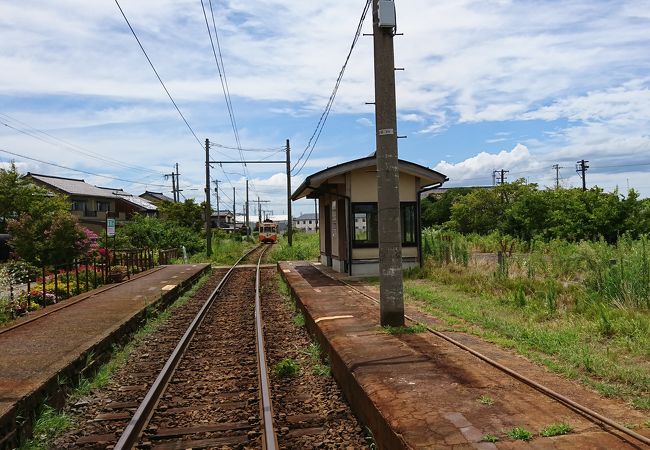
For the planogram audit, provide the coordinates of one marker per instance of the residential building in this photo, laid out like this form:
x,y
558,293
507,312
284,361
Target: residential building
x,y
93,204
306,222
156,197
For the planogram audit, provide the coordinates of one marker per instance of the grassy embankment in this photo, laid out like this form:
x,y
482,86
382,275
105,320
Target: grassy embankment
x,y
582,310
306,247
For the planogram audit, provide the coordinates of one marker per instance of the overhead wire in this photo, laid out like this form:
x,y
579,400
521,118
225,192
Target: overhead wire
x,y
313,140
70,146
157,75
79,170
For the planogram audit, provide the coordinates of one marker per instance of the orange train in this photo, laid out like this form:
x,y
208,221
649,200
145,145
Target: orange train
x,y
268,232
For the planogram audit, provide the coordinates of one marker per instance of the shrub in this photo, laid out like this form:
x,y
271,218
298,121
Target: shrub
x,y
286,368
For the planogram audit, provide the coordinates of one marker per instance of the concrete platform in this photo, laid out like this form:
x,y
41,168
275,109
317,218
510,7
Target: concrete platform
x,y
419,391
67,340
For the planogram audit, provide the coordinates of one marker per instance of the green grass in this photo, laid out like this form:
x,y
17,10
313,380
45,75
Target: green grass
x,y
489,438
520,434
299,320
225,250
647,423
556,429
306,247
412,329
486,400
570,342
286,368
50,423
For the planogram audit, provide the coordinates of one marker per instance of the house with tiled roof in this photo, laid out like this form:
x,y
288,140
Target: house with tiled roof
x,y
156,197
94,204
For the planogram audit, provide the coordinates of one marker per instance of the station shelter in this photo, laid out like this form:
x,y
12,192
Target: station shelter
x,y
347,197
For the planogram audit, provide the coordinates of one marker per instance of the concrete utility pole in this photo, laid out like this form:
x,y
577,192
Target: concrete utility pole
x,y
289,218
234,209
178,185
581,168
557,168
248,231
172,175
390,238
216,191
208,209
502,176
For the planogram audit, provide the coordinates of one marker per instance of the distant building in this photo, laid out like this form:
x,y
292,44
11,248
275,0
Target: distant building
x,y
306,222
93,204
223,219
156,197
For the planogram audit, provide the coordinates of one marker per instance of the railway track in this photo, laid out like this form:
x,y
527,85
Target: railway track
x,y
213,390
604,422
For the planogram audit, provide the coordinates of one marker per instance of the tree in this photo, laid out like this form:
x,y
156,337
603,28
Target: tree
x,y
187,214
436,210
17,196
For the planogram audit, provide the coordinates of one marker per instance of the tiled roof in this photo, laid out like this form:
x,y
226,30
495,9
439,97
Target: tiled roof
x,y
158,196
71,186
311,216
80,188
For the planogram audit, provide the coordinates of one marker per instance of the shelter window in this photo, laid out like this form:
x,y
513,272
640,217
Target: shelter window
x,y
366,230
408,224
366,220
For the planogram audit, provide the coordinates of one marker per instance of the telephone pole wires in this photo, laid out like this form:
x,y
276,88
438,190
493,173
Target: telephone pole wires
x,y
390,239
581,169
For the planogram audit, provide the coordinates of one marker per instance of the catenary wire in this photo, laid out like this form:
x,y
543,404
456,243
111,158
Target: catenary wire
x,y
313,140
79,170
157,75
73,147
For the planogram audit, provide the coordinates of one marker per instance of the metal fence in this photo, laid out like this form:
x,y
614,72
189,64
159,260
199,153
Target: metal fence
x,y
54,283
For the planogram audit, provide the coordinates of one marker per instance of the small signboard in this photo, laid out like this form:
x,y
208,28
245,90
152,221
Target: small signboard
x,y
110,227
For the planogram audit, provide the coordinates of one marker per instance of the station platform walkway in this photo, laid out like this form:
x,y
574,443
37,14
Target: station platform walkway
x,y
63,341
418,391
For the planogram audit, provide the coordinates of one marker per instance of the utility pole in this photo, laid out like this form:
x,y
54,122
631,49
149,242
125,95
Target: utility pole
x,y
316,212
557,168
503,175
167,175
208,209
289,218
234,209
259,210
581,168
178,186
390,239
216,191
248,231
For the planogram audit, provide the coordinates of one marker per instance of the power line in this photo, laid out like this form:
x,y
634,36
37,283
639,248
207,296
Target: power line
x,y
80,171
71,147
158,76
323,118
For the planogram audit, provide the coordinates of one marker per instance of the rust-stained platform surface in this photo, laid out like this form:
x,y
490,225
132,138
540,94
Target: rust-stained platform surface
x,y
419,391
35,353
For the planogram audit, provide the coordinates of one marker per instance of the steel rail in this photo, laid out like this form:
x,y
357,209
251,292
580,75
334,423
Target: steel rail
x,y
270,441
576,407
131,434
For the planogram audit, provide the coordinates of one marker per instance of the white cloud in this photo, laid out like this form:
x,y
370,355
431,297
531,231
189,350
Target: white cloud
x,y
365,122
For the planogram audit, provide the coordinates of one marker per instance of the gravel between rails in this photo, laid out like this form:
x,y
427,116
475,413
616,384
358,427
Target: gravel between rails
x,y
309,409
105,412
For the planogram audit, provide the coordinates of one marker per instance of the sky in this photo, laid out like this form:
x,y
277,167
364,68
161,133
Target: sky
x,y
487,85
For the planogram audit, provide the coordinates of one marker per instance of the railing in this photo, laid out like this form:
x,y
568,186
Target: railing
x,y
167,256
55,283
